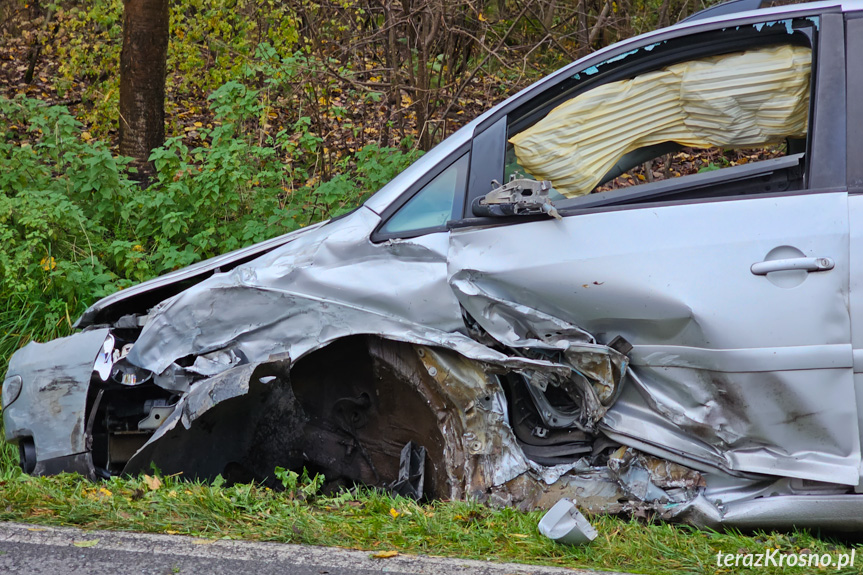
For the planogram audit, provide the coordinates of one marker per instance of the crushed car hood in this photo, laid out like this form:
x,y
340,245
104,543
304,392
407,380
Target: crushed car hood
x,y
157,289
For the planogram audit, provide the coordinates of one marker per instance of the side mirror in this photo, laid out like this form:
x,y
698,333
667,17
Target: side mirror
x,y
518,197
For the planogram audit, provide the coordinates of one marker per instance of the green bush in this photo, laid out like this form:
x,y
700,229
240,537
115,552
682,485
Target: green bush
x,y
75,227
60,203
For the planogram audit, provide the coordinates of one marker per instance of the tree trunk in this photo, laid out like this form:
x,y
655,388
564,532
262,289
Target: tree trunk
x,y
142,81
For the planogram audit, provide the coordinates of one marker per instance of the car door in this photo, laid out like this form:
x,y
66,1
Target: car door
x,y
732,286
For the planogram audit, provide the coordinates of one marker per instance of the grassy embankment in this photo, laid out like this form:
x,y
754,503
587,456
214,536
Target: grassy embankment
x,y
375,522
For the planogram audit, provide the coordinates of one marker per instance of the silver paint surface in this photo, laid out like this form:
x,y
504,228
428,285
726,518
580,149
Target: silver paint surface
x,y
53,399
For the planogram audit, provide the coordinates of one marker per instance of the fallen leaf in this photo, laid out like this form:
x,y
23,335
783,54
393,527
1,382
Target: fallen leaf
x,y
90,543
35,529
518,535
203,541
152,482
384,554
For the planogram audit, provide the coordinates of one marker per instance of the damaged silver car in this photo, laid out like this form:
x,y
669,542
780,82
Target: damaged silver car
x,y
519,318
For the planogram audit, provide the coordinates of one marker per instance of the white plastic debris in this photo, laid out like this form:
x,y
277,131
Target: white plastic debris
x,y
565,524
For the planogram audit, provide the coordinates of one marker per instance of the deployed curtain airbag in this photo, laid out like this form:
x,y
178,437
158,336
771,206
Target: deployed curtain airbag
x,y
744,99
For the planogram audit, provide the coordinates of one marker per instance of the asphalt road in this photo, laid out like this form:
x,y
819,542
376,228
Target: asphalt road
x,y
37,550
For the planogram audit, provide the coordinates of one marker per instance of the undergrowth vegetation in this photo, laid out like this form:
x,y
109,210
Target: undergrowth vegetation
x,y
75,227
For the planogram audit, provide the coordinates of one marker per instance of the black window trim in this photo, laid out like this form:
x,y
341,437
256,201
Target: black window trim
x,y
826,153
854,103
691,182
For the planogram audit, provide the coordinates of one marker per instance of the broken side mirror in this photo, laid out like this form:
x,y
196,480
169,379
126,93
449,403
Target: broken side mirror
x,y
518,197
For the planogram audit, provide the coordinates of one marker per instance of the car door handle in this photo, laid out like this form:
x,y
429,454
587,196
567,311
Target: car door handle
x,y
791,264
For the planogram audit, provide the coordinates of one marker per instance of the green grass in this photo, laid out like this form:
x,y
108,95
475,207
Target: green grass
x,y
8,460
374,521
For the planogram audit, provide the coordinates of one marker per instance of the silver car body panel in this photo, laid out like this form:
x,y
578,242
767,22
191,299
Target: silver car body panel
x,y
327,284
51,408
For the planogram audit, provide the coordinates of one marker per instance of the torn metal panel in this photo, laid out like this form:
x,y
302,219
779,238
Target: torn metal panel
x,y
477,428
597,370
327,284
722,378
52,405
491,465
724,422
215,423
651,479
842,513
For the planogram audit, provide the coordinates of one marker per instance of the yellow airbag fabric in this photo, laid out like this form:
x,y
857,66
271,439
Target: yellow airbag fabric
x,y
745,99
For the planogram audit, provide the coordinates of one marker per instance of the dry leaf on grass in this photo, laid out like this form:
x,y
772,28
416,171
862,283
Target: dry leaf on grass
x,y
152,482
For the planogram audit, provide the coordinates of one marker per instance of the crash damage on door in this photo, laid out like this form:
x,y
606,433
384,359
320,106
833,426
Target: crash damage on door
x,y
372,363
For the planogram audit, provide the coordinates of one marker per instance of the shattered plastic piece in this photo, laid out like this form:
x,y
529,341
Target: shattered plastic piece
x,y
565,524
411,471
104,361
